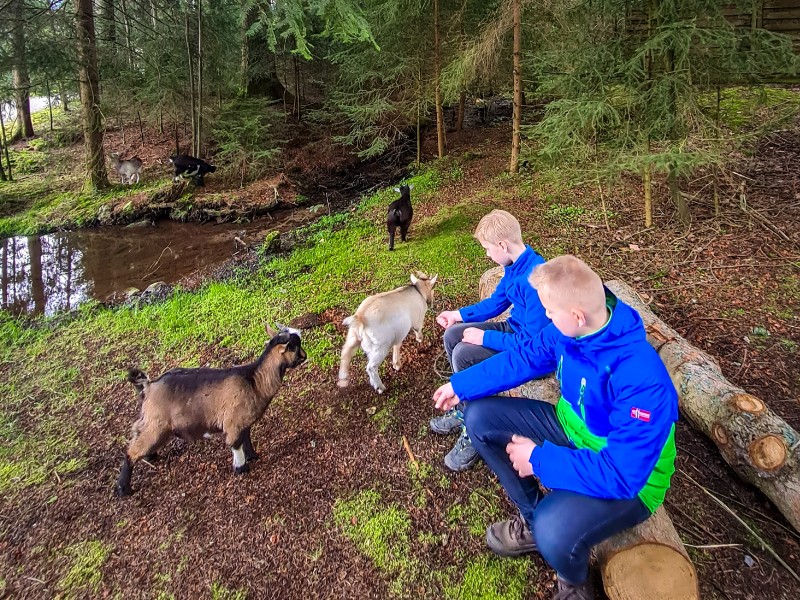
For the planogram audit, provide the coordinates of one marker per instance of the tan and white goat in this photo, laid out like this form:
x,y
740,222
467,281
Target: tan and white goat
x,y
194,403
382,322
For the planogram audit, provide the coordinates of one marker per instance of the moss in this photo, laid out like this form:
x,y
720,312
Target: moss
x,y
220,592
85,574
493,578
379,532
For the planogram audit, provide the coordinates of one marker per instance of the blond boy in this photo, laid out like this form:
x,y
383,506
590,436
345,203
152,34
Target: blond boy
x,y
607,449
470,337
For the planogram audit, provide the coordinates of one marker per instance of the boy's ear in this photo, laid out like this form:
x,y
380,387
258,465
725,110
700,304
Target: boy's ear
x,y
580,317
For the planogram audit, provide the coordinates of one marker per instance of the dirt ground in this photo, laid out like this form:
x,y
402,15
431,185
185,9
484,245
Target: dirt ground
x,y
271,531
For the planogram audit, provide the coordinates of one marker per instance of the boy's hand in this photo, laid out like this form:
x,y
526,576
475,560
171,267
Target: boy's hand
x,y
473,335
445,398
519,450
448,318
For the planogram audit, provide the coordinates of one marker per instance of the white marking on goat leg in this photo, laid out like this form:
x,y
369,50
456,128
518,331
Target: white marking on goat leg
x,y
207,436
238,457
418,335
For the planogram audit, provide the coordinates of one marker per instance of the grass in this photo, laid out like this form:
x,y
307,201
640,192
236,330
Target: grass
x,y
58,360
85,574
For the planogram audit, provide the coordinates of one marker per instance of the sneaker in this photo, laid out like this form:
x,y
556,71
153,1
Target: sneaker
x,y
463,455
448,422
569,591
510,538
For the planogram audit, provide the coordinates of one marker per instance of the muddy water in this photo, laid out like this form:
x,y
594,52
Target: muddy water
x,y
51,273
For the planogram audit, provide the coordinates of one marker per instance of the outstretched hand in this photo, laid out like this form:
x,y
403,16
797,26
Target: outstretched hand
x,y
445,398
519,451
448,318
473,335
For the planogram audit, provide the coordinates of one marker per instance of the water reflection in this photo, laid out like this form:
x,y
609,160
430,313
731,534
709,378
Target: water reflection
x,y
52,273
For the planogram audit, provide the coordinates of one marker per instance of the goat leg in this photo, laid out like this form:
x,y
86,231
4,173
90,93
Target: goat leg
x,y
144,443
396,362
375,360
391,237
124,481
349,348
404,231
247,444
240,465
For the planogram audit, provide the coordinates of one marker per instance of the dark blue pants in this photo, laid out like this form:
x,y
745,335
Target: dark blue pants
x,y
565,524
463,355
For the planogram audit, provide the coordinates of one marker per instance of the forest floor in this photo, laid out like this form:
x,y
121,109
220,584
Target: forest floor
x,y
335,508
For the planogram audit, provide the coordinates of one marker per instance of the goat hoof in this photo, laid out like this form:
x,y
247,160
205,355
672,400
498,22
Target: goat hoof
x,y
252,457
343,383
122,490
242,470
397,367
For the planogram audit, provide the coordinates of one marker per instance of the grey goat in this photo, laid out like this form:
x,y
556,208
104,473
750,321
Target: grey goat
x,y
127,169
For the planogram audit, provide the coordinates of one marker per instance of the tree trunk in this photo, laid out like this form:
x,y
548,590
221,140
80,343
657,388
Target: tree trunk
x,y
244,64
462,100
50,104
108,18
648,196
647,561
677,197
440,135
758,445
192,99
94,159
199,130
19,70
5,145
64,93
513,166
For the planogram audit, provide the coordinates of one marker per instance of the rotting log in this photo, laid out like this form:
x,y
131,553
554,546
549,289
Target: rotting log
x,y
648,561
758,445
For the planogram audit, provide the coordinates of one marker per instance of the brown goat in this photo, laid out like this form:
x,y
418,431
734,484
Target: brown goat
x,y
194,403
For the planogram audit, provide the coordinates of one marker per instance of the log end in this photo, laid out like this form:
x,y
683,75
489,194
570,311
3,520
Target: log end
x,y
767,453
651,571
748,404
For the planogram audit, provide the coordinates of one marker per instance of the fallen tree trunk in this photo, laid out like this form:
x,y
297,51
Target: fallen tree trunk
x,y
758,445
648,561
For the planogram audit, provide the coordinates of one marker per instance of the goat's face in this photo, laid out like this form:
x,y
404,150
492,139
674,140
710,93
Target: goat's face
x,y
424,284
292,353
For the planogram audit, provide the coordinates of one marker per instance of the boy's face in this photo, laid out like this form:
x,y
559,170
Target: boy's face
x,y
569,321
497,252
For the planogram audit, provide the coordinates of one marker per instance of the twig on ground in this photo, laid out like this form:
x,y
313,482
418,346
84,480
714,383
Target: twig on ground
x,y
407,446
744,524
710,546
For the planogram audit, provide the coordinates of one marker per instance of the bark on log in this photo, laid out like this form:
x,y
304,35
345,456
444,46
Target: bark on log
x,y
758,445
647,561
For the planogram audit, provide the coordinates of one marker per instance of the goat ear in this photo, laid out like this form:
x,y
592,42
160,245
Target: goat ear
x,y
397,190
411,186
433,279
270,331
414,279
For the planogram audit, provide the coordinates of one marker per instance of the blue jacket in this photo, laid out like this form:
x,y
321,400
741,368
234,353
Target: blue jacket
x,y
618,407
527,317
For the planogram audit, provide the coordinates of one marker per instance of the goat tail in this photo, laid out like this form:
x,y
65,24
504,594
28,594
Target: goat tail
x,y
138,378
355,324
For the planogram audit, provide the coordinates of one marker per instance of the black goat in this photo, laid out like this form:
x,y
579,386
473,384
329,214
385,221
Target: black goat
x,y
188,166
399,214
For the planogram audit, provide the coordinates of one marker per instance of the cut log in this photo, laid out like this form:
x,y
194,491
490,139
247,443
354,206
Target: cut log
x,y
648,561
758,445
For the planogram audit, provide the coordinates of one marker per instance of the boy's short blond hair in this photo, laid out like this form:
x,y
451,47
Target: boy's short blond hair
x,y
498,226
570,283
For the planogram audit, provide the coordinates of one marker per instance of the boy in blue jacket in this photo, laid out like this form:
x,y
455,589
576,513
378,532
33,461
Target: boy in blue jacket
x,y
469,337
607,449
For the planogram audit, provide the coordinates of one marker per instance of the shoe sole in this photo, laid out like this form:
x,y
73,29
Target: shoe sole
x,y
464,466
497,547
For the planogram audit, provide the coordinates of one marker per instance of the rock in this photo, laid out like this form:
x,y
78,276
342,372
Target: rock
x,y
104,214
142,223
131,292
155,288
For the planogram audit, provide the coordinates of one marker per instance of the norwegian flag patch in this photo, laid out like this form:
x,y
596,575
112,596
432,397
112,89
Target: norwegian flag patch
x,y
642,415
